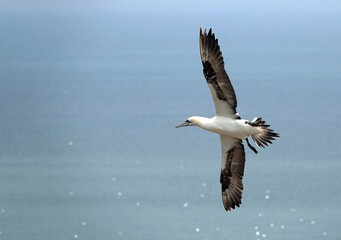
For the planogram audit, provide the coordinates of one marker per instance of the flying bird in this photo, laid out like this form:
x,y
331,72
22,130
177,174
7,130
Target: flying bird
x,y
231,128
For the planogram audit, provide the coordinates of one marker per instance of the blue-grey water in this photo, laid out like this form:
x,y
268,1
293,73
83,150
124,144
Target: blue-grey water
x,y
89,99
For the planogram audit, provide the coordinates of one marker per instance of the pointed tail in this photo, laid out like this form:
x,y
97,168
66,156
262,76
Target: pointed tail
x,y
266,136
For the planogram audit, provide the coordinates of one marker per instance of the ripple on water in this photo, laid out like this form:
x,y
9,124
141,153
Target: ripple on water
x,y
292,210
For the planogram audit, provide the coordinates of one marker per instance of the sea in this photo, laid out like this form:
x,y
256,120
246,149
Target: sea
x,y
89,102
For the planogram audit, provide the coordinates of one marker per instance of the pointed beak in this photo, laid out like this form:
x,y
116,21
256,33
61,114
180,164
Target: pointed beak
x,y
183,124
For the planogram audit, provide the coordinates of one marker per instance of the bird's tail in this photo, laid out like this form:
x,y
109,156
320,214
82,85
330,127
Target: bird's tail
x,y
266,135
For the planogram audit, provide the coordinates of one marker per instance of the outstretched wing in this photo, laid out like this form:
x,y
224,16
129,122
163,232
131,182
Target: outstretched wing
x,y
232,171
217,79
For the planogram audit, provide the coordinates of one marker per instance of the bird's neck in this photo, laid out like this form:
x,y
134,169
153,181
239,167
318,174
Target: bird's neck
x,y
204,122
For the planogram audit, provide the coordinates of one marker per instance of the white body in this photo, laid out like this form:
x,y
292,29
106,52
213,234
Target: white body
x,y
225,126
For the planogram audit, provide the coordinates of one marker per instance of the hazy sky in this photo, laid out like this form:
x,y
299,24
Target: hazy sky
x,y
34,28
294,7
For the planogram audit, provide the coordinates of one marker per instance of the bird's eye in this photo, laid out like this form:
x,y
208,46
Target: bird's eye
x,y
187,121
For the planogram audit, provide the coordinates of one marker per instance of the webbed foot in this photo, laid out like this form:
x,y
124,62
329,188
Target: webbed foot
x,y
253,124
251,147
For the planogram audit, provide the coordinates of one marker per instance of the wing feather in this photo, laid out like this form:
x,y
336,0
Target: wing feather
x,y
219,83
232,171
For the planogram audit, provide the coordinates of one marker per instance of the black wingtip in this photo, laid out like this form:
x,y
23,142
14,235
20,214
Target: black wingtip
x,y
205,32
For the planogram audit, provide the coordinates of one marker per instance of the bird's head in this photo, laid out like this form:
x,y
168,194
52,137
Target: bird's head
x,y
192,121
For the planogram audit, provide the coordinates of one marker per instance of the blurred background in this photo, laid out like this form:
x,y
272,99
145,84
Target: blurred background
x,y
91,92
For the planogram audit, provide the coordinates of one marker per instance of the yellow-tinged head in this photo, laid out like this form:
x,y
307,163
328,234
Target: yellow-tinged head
x,y
192,121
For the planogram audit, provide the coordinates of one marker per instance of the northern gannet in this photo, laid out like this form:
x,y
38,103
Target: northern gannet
x,y
231,128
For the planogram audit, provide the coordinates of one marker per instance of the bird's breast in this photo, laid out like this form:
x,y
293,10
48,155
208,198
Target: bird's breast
x,y
228,126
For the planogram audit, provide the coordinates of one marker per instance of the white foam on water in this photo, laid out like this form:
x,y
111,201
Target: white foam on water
x,y
186,204
75,235
197,229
